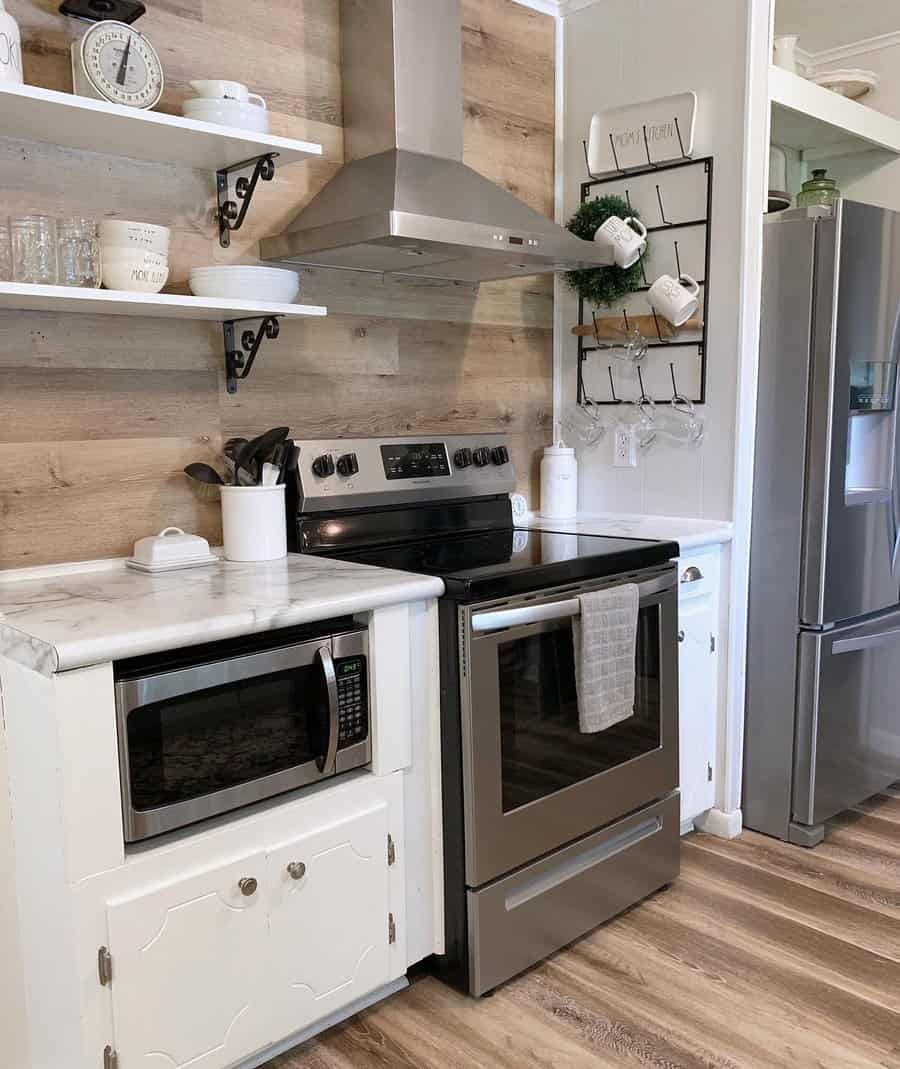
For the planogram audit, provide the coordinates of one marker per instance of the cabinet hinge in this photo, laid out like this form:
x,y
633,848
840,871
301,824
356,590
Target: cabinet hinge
x,y
392,929
712,643
104,966
392,852
708,772
110,1059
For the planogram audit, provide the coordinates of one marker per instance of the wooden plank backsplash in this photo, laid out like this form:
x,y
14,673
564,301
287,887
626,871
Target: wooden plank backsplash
x,y
98,415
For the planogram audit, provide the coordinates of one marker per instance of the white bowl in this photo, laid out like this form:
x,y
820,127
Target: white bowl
x,y
237,113
246,283
134,278
140,236
133,257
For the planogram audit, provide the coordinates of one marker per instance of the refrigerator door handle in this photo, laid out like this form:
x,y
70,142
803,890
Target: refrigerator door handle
x,y
866,642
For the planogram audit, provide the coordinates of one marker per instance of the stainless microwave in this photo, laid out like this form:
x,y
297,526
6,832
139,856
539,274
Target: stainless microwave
x,y
207,731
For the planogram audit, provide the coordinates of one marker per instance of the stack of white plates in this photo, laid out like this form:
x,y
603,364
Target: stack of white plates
x,y
850,82
239,113
266,284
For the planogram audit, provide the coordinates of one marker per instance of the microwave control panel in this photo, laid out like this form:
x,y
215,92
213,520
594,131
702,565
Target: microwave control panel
x,y
353,700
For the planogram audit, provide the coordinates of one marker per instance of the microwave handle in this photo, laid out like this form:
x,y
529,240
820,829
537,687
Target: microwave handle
x,y
326,764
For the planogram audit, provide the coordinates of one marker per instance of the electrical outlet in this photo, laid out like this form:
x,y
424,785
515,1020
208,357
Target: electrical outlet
x,y
624,447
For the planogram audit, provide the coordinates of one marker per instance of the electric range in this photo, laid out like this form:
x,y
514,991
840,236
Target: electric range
x,y
548,830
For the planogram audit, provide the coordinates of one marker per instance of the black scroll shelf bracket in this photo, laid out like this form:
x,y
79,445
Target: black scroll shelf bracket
x,y
232,212
239,361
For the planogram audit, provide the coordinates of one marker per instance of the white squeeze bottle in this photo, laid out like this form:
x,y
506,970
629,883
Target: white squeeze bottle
x,y
559,482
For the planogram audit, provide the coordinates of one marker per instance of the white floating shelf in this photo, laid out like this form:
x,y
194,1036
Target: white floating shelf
x,y
34,114
817,121
22,297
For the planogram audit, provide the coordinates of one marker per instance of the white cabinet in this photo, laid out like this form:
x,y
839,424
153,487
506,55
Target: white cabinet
x,y
698,637
189,970
329,907
211,964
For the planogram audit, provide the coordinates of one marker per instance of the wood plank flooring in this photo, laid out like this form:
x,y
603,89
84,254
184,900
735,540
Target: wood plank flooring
x,y
760,955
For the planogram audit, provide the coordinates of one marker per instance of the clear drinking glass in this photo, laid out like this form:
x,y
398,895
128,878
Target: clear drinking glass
x,y
34,249
5,252
79,253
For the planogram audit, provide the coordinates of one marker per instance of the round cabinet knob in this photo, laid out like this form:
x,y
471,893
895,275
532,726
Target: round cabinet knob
x,y
296,870
347,465
681,636
248,886
482,457
500,455
323,466
462,458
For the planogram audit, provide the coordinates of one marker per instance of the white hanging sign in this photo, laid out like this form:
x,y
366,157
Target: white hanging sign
x,y
654,131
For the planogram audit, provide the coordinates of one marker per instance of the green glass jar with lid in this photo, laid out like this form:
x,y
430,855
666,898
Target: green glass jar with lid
x,y
818,191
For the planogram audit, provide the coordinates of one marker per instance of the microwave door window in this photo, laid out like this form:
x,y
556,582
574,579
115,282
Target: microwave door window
x,y
543,749
209,740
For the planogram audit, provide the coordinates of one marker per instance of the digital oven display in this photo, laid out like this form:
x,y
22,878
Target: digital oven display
x,y
419,461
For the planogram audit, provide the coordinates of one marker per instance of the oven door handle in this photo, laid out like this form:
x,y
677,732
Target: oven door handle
x,y
527,614
326,764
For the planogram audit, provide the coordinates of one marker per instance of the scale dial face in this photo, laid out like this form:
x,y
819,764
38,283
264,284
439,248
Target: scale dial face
x,y
122,65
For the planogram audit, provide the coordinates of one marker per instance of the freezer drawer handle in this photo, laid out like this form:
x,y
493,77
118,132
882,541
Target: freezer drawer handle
x,y
865,642
575,866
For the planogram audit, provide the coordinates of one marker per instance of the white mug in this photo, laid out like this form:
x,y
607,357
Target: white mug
x,y
626,237
674,300
218,89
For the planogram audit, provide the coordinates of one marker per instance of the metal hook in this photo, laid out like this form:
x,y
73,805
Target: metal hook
x,y
643,272
612,387
662,210
664,341
628,201
643,399
677,260
625,320
612,145
650,162
684,155
675,392
587,162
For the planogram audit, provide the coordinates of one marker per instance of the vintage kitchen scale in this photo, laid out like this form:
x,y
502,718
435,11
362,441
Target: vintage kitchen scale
x,y
113,61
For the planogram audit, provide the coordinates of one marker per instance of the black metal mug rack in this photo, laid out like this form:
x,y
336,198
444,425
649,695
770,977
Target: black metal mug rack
x,y
667,226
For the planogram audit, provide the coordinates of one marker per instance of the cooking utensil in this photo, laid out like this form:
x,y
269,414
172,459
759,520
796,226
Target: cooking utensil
x,y
258,448
289,461
203,473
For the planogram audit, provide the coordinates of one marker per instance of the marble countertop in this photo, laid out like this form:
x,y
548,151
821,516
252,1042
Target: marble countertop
x,y
64,617
688,533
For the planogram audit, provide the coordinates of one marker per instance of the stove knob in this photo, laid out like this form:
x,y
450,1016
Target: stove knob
x,y
323,466
482,457
462,458
347,465
500,454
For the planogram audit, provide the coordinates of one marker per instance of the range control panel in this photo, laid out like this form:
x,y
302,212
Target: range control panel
x,y
361,472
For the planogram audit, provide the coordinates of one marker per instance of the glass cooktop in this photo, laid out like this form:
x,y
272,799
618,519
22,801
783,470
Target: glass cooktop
x,y
502,562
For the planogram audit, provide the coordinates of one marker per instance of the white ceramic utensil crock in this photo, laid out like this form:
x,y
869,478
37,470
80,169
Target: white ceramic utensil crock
x,y
559,483
253,522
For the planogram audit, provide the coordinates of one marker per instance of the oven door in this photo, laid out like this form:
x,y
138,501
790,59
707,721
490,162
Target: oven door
x,y
533,780
206,739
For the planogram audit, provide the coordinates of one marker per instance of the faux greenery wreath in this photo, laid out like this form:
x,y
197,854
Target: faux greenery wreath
x,y
602,285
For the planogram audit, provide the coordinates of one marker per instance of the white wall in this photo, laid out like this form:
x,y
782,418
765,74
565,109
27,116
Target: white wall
x,y
623,51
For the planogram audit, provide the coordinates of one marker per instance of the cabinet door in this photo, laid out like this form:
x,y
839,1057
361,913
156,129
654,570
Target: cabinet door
x,y
697,704
329,902
188,961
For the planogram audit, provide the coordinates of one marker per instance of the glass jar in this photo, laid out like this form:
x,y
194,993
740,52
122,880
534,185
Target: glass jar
x,y
34,249
5,252
818,191
79,253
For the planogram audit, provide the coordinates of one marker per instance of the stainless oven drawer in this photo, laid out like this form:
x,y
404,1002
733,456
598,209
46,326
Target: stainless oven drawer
x,y
520,919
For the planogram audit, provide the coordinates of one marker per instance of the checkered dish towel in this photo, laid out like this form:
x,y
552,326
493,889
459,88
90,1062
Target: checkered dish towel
x,y
605,636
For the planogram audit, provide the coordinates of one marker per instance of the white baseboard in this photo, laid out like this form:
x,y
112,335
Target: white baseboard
x,y
718,822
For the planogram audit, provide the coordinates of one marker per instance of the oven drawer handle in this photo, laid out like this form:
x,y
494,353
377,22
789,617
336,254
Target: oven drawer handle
x,y
527,614
326,764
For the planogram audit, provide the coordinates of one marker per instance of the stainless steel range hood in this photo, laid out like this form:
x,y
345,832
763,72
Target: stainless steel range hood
x,y
406,203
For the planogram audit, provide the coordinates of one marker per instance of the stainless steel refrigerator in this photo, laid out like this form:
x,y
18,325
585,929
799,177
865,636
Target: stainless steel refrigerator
x,y
823,670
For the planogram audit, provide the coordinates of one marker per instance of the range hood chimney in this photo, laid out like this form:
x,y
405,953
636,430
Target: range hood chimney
x,y
405,203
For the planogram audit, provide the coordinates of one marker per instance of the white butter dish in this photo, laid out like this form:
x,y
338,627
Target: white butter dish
x,y
169,550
